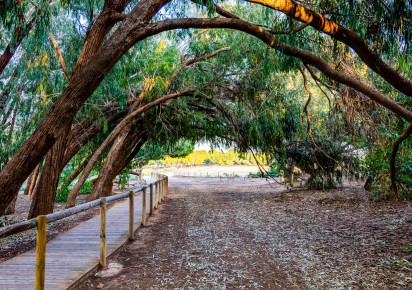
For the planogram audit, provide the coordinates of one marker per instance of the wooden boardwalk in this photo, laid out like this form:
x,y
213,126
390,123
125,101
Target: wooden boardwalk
x,y
75,252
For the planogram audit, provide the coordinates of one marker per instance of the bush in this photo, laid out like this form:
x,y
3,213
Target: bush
x,y
63,193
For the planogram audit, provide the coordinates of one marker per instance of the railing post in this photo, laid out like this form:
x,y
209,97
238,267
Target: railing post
x,y
166,181
164,187
151,199
103,232
167,185
158,193
159,198
131,215
40,253
160,190
144,207
156,184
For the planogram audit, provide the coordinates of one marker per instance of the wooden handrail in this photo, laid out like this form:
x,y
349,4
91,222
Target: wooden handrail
x,y
52,217
41,223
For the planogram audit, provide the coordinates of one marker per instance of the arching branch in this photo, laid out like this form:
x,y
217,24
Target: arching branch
x,y
392,161
344,35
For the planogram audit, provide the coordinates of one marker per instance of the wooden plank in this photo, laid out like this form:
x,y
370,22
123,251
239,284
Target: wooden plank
x,y
82,246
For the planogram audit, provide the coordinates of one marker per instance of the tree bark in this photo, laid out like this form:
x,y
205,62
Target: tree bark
x,y
12,206
126,122
60,56
392,161
114,162
134,28
76,173
79,140
100,28
31,182
45,193
81,86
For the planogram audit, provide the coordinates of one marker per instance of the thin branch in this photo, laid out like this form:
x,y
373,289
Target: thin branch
x,y
285,32
305,108
60,55
392,161
182,56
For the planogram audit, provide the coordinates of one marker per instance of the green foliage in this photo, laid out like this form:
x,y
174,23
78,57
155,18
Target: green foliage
x,y
408,249
402,263
257,93
181,149
63,192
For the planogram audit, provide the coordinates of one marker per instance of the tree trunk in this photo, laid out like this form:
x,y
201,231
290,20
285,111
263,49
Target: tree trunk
x,y
121,153
76,173
368,183
31,182
109,169
12,206
79,140
392,160
291,173
134,28
124,125
116,160
43,201
81,86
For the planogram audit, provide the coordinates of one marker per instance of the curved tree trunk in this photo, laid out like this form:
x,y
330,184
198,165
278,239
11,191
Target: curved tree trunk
x,y
124,125
75,173
43,200
392,161
115,162
81,86
31,182
12,206
133,29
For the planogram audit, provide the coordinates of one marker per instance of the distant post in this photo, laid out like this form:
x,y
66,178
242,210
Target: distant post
x,y
103,232
131,215
151,199
160,190
155,195
144,207
40,253
167,185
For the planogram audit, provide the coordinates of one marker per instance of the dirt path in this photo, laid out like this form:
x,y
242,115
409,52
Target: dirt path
x,y
214,234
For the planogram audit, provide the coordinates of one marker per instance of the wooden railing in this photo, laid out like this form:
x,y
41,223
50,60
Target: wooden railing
x,y
158,191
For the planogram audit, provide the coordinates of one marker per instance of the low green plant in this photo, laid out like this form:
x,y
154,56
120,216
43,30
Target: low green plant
x,y
408,249
64,191
403,263
62,194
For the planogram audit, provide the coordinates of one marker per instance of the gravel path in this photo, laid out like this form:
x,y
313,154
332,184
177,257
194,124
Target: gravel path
x,y
246,234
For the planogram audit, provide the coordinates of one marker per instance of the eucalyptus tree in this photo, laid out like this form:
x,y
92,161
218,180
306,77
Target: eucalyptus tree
x,y
104,46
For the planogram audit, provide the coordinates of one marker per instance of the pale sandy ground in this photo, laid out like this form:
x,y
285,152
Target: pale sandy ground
x,y
247,234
